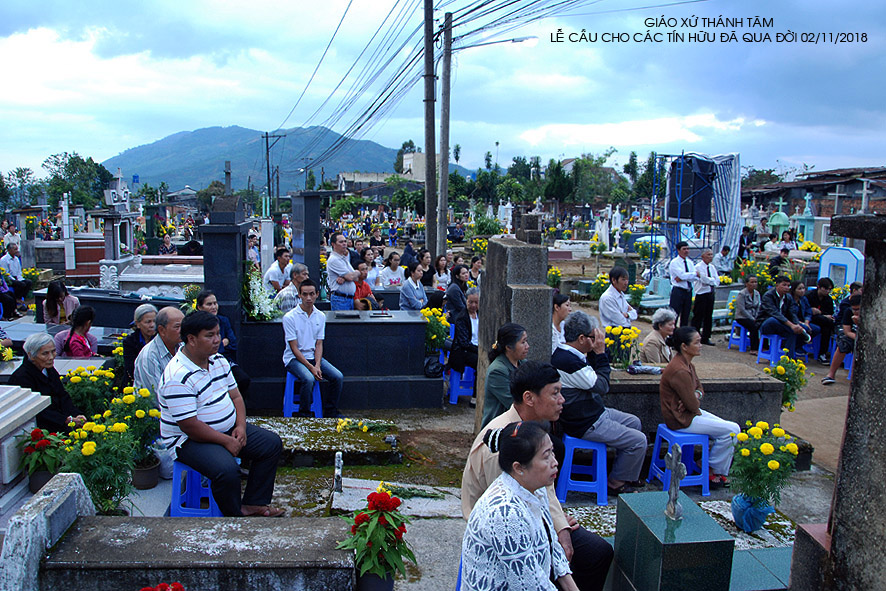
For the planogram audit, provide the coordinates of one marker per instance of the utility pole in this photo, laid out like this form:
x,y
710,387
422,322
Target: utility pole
x,y
268,147
443,199
277,195
430,148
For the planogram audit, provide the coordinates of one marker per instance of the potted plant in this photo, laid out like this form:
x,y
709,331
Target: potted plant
x,y
377,538
42,455
793,373
102,453
137,410
621,345
90,388
761,467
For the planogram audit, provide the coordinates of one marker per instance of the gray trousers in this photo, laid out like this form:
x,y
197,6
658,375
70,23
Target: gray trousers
x,y
621,430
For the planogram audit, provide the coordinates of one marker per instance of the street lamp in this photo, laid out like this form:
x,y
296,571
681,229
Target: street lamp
x,y
443,196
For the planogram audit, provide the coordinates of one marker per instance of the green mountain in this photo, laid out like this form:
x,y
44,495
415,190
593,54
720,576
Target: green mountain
x,y
197,158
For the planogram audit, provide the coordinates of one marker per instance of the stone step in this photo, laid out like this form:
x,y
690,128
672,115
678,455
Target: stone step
x,y
201,553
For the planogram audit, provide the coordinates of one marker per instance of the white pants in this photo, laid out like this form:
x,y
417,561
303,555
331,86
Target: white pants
x,y
718,430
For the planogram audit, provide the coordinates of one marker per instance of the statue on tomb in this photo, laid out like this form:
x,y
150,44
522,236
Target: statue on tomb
x,y
674,463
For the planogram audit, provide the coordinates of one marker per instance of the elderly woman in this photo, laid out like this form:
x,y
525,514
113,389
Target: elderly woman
x,y
76,341
747,306
509,350
655,349
508,539
59,304
143,321
681,394
38,374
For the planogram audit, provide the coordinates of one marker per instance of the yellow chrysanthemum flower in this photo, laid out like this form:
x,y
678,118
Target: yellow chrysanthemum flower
x,y
99,429
767,449
773,465
792,448
763,425
745,452
87,451
742,436
128,390
128,399
76,379
154,413
144,392
778,432
755,431
780,370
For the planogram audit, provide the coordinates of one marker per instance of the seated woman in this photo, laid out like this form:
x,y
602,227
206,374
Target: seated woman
x,y
681,393
144,330
802,309
562,307
167,247
207,302
427,276
508,351
37,372
441,273
391,274
7,301
655,348
508,539
467,328
455,293
59,304
412,294
76,341
367,255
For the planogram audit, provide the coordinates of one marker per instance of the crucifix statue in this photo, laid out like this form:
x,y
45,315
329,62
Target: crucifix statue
x,y
674,463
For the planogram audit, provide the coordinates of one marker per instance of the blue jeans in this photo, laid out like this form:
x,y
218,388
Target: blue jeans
x,y
789,338
338,302
331,375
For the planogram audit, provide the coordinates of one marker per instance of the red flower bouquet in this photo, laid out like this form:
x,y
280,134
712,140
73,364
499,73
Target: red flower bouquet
x,y
41,450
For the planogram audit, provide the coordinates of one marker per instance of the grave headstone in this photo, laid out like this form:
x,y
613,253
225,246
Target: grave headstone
x,y
842,265
630,266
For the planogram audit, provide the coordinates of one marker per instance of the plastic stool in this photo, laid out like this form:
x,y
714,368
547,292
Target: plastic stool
x,y
460,384
599,485
773,353
847,364
742,341
290,398
458,582
695,474
812,346
188,502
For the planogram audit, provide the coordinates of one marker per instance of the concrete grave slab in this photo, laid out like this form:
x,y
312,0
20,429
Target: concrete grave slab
x,y
354,492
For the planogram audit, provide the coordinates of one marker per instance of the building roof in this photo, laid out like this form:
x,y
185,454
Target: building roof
x,y
844,172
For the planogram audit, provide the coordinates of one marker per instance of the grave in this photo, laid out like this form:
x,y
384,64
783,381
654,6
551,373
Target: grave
x,y
18,410
842,264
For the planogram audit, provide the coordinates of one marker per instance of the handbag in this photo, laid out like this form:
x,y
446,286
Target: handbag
x,y
433,367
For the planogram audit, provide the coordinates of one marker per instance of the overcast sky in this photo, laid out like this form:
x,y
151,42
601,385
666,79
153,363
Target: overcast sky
x,y
98,77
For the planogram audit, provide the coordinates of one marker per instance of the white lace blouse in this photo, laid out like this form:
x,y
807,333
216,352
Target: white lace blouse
x,y
509,540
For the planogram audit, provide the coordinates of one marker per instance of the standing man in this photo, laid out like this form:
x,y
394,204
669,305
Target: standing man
x,y
744,243
341,275
12,236
614,307
156,355
706,280
304,328
11,262
203,423
777,315
354,254
278,274
535,389
681,271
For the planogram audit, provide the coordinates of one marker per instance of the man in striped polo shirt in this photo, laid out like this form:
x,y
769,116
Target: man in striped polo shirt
x,y
203,423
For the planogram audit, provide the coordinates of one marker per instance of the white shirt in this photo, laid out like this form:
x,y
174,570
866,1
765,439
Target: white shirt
x,y
390,278
150,364
613,307
722,264
475,330
10,238
681,271
274,273
304,329
12,265
708,280
337,266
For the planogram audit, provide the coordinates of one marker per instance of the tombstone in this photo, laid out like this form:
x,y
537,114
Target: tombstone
x,y
779,221
18,410
306,235
842,265
628,265
806,220
847,553
225,238
513,290
266,243
530,228
119,233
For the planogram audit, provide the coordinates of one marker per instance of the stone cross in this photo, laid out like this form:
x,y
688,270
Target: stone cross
x,y
336,483
865,193
837,194
780,203
674,463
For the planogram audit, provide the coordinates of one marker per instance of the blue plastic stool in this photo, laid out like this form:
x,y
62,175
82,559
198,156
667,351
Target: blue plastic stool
x,y
290,398
458,582
774,352
460,384
847,364
187,501
599,485
742,341
695,475
812,346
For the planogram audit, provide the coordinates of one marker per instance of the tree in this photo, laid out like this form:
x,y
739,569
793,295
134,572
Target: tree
x,y
20,181
631,168
5,193
250,197
753,177
310,181
487,160
327,185
645,182
509,189
408,147
621,192
350,204
558,185
206,196
484,186
149,193
457,187
591,179
85,180
456,152
520,169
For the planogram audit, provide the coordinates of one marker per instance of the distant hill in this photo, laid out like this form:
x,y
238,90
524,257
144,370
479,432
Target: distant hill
x,y
197,158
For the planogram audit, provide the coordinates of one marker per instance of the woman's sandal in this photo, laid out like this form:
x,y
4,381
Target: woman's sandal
x,y
268,511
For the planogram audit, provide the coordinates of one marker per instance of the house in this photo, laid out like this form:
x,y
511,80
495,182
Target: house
x,y
373,185
826,187
186,197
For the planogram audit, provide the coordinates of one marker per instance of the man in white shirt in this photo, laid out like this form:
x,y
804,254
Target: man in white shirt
x,y
707,279
11,262
721,261
304,328
287,298
681,272
277,275
341,275
614,307
156,355
203,423
12,236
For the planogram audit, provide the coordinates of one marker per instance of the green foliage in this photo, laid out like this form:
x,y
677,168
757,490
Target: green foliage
x,y
19,183
310,181
590,178
600,284
753,177
5,192
520,169
632,169
458,186
635,294
41,450
206,196
85,180
377,536
89,388
558,185
149,193
762,463
793,373
484,186
134,408
456,152
408,147
486,226
103,454
351,204
509,189
644,185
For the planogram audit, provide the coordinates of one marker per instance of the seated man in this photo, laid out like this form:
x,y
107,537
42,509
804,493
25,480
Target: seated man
x,y
781,264
363,296
721,261
11,262
203,423
287,298
278,274
777,316
584,415
304,329
535,390
823,315
846,339
156,355
614,307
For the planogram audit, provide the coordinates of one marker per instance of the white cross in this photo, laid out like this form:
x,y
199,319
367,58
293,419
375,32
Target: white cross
x,y
837,195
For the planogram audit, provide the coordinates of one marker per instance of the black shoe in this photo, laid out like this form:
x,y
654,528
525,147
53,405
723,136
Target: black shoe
x,y
823,359
621,490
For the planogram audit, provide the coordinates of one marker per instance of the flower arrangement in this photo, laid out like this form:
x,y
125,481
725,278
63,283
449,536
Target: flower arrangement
x,y
646,249
626,234
839,293
793,373
621,345
751,267
377,536
809,246
107,475
31,222
137,410
141,247
257,301
322,261
117,351
725,280
165,587
554,276
763,462
731,308
480,245
6,353
419,227
162,229
436,330
90,388
600,284
31,273
816,257
567,234
41,450
635,294
191,292
347,424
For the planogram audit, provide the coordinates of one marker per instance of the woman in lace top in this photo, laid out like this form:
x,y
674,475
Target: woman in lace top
x,y
510,542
